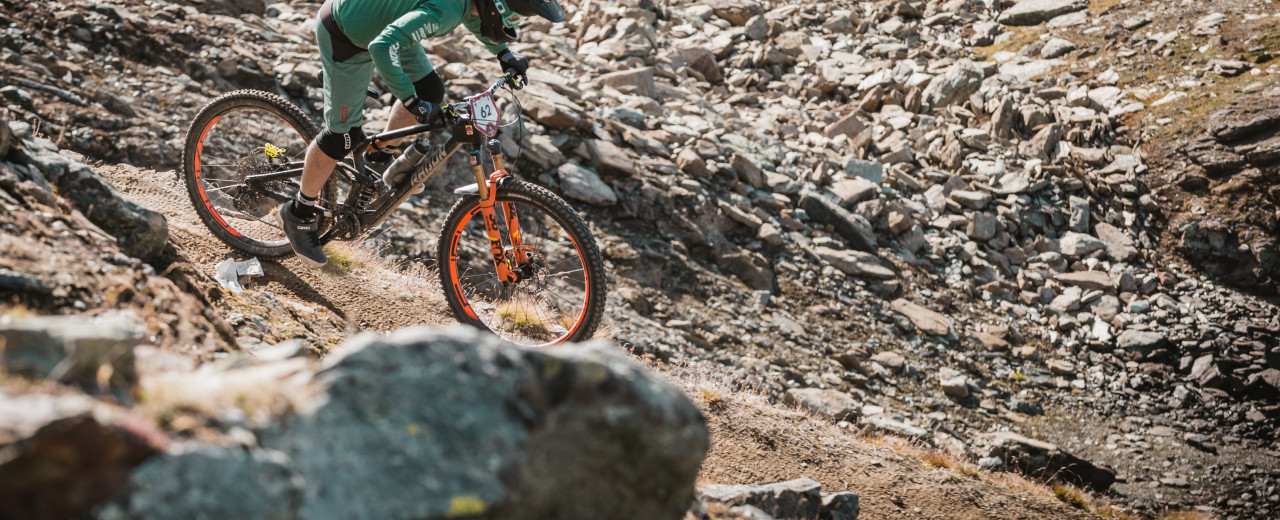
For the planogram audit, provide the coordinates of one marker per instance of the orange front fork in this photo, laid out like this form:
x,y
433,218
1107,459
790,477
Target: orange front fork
x,y
488,197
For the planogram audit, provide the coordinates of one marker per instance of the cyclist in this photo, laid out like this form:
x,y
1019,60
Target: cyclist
x,y
356,36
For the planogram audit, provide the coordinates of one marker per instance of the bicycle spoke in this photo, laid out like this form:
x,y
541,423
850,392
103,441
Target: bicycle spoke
x,y
235,145
550,297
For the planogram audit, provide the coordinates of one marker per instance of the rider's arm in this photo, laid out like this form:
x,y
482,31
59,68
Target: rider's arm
x,y
406,31
472,23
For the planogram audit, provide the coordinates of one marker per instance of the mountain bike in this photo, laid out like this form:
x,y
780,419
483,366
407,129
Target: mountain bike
x,y
513,257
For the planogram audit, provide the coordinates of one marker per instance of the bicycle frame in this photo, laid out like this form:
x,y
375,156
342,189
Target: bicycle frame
x,y
486,187
463,134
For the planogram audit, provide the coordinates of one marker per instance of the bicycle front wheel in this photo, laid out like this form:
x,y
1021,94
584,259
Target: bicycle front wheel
x,y
561,289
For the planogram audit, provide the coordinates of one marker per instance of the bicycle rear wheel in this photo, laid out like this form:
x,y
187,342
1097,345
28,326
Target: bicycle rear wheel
x,y
561,292
243,133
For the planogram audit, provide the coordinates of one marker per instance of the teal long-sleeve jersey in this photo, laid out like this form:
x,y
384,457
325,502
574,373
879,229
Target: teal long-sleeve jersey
x,y
387,27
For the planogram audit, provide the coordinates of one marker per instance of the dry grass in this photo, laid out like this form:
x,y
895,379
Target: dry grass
x,y
606,332
15,311
525,317
1011,41
1110,511
1186,515
360,258
1102,6
260,392
1070,496
714,398
937,459
344,257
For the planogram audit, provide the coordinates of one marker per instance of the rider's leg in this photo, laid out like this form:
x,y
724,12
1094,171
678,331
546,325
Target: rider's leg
x,y
400,118
428,84
344,93
316,170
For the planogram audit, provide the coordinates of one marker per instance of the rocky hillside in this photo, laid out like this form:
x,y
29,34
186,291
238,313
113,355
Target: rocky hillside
x,y
104,393
994,228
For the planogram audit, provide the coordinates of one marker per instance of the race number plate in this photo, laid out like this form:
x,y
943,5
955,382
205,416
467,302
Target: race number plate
x,y
484,114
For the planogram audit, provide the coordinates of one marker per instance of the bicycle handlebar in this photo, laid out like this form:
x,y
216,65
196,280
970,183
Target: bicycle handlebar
x,y
450,112
503,80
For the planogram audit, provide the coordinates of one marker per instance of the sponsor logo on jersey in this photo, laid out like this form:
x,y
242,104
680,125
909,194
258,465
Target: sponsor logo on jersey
x,y
426,31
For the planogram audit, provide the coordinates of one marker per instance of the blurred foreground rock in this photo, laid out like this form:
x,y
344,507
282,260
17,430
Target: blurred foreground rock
x,y
92,355
61,455
435,423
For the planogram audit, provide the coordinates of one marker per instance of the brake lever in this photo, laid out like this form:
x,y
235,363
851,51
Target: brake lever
x,y
451,114
515,82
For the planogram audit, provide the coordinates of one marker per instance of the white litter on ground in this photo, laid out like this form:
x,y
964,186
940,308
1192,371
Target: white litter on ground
x,y
233,275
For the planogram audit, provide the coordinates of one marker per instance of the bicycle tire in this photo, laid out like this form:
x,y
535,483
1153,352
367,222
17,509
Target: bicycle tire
x,y
192,150
550,205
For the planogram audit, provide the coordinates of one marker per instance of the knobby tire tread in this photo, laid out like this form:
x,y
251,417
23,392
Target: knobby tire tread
x,y
548,202
221,106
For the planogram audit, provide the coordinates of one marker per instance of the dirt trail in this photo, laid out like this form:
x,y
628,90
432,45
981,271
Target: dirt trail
x,y
755,442
369,296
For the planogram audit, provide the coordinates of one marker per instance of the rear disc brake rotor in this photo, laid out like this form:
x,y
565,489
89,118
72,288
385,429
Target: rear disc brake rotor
x,y
247,199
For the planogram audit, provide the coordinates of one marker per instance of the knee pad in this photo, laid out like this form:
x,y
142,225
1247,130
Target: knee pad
x,y
338,145
430,88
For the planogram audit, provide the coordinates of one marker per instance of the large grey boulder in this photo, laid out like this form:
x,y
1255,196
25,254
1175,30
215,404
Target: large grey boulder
x,y
1040,459
429,423
955,85
140,231
851,226
72,350
1035,12
203,481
